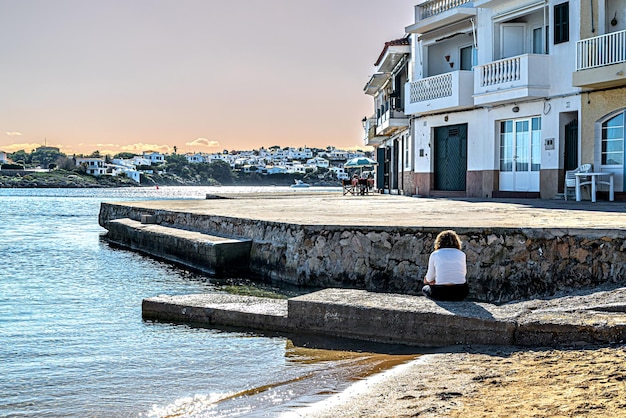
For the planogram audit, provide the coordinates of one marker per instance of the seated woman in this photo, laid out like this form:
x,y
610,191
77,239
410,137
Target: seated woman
x,y
445,278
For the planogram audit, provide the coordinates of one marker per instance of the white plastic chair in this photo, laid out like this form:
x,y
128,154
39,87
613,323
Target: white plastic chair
x,y
570,179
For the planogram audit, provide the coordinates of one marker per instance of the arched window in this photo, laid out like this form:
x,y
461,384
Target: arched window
x,y
613,140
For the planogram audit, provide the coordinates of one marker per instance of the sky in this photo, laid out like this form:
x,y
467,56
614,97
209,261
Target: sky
x,y
199,75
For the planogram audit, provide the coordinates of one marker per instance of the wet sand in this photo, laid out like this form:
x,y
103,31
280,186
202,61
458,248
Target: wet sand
x,y
490,382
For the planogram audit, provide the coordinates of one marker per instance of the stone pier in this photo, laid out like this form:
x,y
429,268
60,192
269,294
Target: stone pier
x,y
515,250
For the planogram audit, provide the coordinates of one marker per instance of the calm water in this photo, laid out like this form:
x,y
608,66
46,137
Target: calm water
x,y
73,343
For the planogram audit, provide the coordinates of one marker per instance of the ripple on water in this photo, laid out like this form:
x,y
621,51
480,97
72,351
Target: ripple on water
x,y
73,343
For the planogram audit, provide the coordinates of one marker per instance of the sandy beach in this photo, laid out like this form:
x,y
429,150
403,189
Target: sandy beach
x,y
490,382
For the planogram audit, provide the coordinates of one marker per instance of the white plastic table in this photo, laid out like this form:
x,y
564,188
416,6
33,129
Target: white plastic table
x,y
594,181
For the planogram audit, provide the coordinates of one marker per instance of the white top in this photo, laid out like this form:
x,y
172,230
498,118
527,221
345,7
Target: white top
x,y
447,266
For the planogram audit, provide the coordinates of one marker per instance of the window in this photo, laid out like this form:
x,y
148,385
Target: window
x,y
407,152
538,41
467,58
613,141
561,23
520,145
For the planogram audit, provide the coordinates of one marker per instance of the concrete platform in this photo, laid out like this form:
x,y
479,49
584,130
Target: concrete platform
x,y
598,317
516,249
327,209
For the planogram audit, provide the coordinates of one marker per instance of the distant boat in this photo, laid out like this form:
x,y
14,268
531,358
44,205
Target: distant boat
x,y
300,185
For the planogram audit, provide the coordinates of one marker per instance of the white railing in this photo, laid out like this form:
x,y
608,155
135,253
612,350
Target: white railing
x,y
502,71
602,50
431,88
434,7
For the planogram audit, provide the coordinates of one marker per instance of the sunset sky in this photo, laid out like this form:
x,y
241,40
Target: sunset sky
x,y
201,75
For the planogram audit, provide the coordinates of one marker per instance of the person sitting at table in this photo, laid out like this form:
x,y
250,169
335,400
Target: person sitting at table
x,y
445,277
355,180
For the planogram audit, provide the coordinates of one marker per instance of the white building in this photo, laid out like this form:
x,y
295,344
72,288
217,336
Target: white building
x,y
195,158
154,157
131,173
318,162
3,157
488,107
138,160
93,166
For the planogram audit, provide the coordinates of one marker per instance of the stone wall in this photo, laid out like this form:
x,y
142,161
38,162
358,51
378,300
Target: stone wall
x,y
503,264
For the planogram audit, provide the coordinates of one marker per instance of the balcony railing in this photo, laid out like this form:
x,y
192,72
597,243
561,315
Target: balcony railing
x,y
520,77
391,121
502,71
601,50
446,91
434,7
431,88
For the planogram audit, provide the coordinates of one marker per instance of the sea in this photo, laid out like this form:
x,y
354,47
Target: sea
x,y
73,342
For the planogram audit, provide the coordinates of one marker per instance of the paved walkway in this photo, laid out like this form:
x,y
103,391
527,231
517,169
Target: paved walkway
x,y
317,208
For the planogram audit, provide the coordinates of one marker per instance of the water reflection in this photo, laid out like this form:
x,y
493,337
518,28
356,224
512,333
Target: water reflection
x,y
330,371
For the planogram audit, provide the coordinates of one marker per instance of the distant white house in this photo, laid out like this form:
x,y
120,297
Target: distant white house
x,y
318,162
154,157
127,167
299,153
195,158
272,169
340,172
3,157
139,160
218,157
93,166
131,173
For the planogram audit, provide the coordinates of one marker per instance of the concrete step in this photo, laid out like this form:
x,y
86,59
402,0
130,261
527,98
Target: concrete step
x,y
598,318
398,319
219,310
208,253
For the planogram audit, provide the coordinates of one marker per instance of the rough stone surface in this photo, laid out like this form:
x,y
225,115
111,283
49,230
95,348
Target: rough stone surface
x,y
515,250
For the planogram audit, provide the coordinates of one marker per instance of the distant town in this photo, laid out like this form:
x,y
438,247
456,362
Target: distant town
x,y
273,165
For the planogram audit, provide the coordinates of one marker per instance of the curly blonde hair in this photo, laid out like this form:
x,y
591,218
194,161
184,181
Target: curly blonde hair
x,y
447,239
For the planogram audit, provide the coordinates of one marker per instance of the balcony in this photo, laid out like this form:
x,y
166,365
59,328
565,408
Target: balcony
x,y
392,54
521,77
601,61
390,122
375,83
440,93
371,138
434,14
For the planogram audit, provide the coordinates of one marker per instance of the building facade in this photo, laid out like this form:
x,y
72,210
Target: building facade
x,y
498,103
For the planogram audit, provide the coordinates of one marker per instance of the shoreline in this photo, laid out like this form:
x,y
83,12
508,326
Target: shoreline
x,y
488,381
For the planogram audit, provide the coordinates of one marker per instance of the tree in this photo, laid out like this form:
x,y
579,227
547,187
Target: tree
x,y
176,163
44,156
124,155
64,163
221,172
21,157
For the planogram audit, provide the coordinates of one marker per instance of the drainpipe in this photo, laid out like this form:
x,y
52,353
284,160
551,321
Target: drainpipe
x,y
593,28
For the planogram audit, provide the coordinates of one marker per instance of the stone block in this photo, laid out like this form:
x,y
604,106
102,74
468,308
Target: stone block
x,y
397,319
208,253
148,219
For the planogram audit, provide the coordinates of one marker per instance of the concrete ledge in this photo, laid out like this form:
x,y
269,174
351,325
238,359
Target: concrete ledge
x,y
411,320
392,318
219,309
209,253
